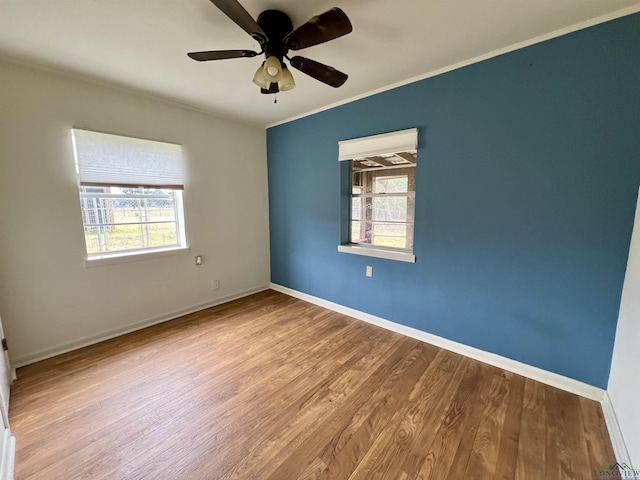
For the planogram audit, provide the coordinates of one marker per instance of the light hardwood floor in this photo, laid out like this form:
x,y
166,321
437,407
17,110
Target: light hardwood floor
x,y
271,387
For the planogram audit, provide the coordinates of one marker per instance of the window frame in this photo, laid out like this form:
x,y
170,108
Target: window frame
x,y
153,180
368,149
178,210
409,195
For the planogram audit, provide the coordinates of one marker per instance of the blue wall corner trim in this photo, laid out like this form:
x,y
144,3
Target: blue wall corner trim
x,y
527,178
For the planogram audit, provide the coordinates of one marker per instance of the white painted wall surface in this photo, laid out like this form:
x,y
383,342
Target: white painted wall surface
x,y
49,301
624,387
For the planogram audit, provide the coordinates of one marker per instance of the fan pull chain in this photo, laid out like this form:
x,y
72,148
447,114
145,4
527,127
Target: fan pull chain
x,y
275,98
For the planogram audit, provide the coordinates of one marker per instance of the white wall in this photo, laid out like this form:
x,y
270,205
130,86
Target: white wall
x,y
624,387
48,300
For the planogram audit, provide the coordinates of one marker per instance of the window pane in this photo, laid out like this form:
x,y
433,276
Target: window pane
x,y
127,237
160,234
393,208
391,184
127,210
356,208
394,180
128,218
356,232
356,184
160,210
390,235
96,211
382,234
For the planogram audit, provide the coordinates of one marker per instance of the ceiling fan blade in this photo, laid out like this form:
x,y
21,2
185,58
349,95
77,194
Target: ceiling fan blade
x,y
319,71
221,54
331,24
237,13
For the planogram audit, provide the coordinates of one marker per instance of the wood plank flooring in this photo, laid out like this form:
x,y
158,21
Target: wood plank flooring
x,y
271,387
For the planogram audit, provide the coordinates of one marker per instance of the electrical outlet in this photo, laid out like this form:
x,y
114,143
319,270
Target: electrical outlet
x,y
215,284
369,271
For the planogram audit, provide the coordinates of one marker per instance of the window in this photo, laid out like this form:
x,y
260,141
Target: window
x,y
129,218
382,196
130,194
382,204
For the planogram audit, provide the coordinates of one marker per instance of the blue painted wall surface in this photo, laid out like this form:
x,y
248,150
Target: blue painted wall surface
x,y
527,177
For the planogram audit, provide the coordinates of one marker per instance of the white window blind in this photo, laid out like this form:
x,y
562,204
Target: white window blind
x,y
401,141
106,159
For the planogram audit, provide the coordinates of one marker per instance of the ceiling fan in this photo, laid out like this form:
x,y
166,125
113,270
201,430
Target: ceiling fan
x,y
274,32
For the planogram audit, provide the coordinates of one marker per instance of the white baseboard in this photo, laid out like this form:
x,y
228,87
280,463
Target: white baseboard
x,y
535,373
33,357
615,433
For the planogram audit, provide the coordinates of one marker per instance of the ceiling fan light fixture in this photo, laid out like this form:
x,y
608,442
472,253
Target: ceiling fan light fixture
x,y
286,82
272,69
259,79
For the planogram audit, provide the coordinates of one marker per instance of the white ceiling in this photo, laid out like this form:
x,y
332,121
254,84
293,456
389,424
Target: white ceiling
x,y
142,44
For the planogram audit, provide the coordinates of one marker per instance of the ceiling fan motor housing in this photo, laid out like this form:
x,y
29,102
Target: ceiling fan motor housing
x,y
276,25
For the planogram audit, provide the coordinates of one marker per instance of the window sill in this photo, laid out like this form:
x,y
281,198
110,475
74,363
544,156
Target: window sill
x,y
378,253
123,257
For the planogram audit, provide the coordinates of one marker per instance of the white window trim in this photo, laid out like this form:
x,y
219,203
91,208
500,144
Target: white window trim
x,y
181,226
134,256
401,141
377,252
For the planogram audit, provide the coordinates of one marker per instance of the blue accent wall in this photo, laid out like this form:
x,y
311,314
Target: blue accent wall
x,y
527,179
